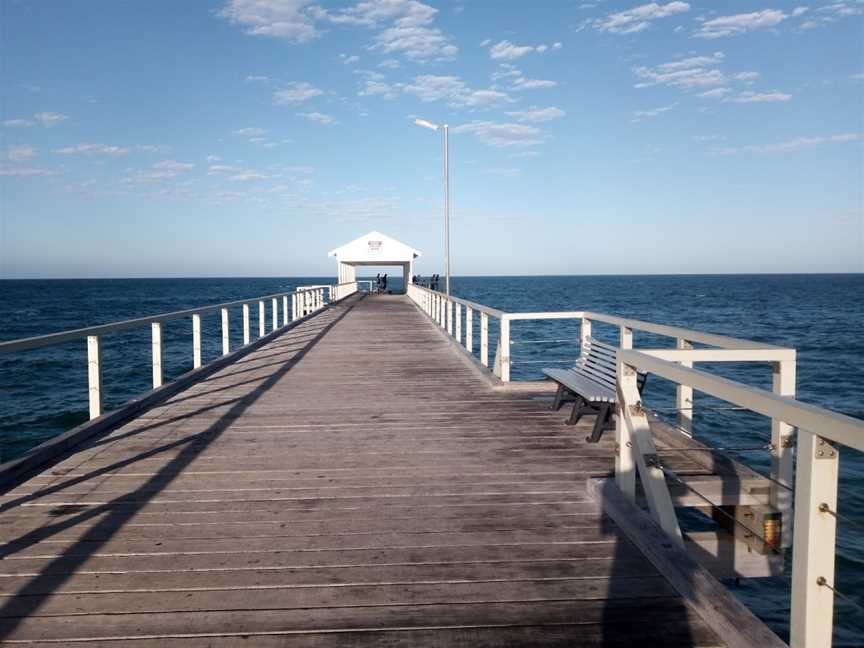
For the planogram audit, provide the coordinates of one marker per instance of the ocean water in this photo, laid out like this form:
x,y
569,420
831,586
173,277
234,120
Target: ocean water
x,y
43,391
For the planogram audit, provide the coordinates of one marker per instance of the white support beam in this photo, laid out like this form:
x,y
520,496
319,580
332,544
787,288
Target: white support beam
x,y
813,550
226,333
94,375
459,323
196,340
449,315
156,343
684,394
625,464
274,304
505,349
484,339
584,332
262,319
782,451
284,310
246,324
469,329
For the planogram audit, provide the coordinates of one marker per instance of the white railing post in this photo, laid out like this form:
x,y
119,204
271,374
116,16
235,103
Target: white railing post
x,y
813,548
458,322
625,465
782,453
196,340
293,307
261,319
449,316
156,337
484,339
246,335
226,333
505,349
469,329
284,310
274,303
94,375
584,333
684,395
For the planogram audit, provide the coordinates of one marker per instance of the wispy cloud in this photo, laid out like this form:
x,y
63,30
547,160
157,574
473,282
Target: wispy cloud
x,y
46,119
295,93
453,90
639,18
93,149
25,172
251,132
375,84
640,115
173,165
318,118
794,144
740,23
348,60
536,114
288,19
405,27
691,72
17,123
20,153
503,135
49,119
523,83
759,97
507,51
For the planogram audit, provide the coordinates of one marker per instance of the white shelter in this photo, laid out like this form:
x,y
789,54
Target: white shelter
x,y
374,249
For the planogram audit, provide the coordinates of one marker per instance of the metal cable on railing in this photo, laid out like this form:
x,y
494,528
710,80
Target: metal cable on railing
x,y
823,582
550,341
824,508
768,446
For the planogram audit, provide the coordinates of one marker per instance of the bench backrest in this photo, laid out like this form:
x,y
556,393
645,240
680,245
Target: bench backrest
x,y
598,361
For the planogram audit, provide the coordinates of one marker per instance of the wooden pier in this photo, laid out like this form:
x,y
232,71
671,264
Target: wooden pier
x,y
352,481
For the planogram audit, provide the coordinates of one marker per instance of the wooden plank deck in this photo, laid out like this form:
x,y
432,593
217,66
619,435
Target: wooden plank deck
x,y
350,483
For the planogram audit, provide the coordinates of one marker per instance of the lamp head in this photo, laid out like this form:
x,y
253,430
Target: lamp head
x,y
426,124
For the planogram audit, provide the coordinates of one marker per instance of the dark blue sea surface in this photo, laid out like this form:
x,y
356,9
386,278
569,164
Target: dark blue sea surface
x,y
43,392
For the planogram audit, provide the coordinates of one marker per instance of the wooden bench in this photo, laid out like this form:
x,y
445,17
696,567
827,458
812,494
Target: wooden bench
x,y
592,384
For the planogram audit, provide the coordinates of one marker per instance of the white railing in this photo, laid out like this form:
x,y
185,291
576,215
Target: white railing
x,y
343,290
820,432
303,302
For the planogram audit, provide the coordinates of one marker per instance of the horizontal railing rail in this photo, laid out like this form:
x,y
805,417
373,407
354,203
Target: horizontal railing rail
x,y
811,471
303,302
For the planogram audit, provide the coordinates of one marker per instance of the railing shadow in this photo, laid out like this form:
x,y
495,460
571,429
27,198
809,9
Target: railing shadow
x,y
120,510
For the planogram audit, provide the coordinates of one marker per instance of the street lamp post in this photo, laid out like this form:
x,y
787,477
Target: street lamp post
x,y
446,130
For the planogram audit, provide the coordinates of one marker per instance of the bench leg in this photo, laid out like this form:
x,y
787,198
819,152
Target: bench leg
x,y
576,414
559,397
602,423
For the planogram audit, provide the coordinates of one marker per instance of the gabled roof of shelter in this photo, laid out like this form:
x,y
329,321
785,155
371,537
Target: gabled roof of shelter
x,y
373,247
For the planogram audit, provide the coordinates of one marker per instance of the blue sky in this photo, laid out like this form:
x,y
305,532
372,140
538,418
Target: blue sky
x,y
248,137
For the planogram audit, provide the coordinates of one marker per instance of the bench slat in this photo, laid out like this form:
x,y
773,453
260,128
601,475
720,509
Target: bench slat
x,y
593,374
585,387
